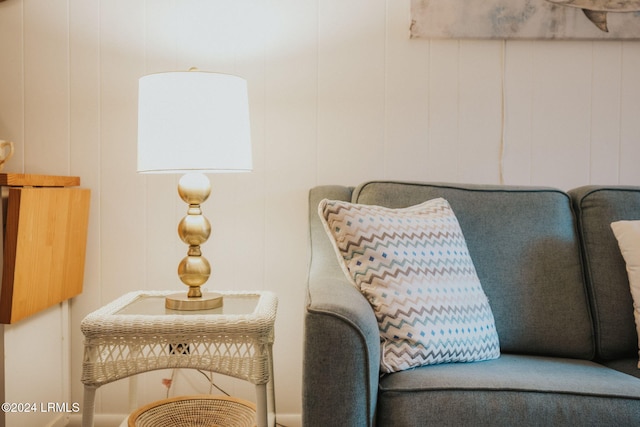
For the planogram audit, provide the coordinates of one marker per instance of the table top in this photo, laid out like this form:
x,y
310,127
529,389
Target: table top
x,y
153,305
142,312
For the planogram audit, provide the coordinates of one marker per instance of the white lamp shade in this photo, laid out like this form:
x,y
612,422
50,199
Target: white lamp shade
x,y
193,121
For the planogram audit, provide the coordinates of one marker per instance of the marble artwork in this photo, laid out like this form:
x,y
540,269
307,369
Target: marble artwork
x,y
526,19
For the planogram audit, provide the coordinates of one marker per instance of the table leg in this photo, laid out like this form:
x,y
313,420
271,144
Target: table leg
x,y
271,394
88,406
133,393
271,404
262,412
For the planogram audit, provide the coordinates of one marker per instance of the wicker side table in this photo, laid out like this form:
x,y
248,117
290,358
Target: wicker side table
x,y
136,334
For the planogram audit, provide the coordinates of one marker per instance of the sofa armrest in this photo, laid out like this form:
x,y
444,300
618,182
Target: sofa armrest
x,y
341,360
341,356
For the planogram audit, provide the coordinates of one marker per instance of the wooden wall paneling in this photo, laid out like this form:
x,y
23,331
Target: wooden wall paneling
x,y
84,127
46,76
84,131
241,219
163,207
162,28
43,147
290,129
518,112
444,96
161,248
606,95
629,172
252,24
351,54
122,26
205,34
561,113
30,377
480,111
12,88
290,121
122,64
406,142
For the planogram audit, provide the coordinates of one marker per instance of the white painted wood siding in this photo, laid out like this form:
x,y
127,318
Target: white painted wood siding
x,y
339,94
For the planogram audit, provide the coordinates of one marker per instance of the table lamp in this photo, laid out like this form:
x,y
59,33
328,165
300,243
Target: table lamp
x,y
192,123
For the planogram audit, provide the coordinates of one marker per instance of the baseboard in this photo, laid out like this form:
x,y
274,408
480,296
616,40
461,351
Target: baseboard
x,y
61,420
120,420
289,420
100,420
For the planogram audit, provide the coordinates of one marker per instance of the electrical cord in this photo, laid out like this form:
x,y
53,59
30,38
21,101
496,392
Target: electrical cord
x,y
212,384
168,383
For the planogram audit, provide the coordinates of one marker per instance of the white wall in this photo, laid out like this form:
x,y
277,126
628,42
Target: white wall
x,y
339,94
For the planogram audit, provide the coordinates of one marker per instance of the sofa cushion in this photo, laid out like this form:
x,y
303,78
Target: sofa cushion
x,y
413,266
629,366
628,236
596,208
509,391
525,249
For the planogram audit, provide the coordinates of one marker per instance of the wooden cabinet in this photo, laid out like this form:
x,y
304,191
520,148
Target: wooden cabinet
x,y
45,220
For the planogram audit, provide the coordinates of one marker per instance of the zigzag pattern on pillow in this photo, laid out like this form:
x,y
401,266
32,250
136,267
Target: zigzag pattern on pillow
x,y
414,268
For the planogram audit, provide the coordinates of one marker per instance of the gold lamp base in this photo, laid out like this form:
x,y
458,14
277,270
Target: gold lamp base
x,y
180,301
194,229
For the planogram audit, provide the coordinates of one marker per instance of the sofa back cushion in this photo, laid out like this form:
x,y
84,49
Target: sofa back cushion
x,y
525,248
596,208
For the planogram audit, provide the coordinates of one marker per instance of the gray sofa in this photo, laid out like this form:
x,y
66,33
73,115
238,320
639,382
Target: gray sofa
x,y
559,292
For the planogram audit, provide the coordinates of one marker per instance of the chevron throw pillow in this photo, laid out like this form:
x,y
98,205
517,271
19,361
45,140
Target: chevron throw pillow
x,y
414,268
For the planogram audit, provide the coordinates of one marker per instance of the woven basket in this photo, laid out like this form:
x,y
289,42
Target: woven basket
x,y
196,411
